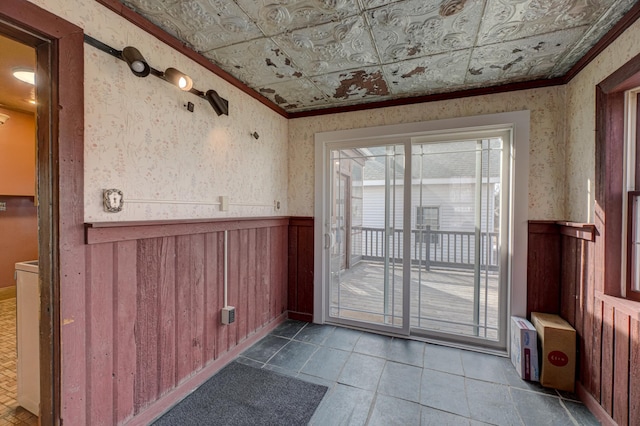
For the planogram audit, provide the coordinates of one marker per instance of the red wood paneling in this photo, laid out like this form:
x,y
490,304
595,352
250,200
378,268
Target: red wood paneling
x,y
252,293
568,278
154,308
147,382
607,327
125,285
596,350
234,282
183,307
100,337
621,369
214,270
634,375
167,312
300,273
606,380
263,272
243,266
543,268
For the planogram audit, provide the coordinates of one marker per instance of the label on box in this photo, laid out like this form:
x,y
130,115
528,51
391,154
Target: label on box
x,y
524,349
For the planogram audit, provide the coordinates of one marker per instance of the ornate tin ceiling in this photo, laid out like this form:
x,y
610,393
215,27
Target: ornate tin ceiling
x,y
312,54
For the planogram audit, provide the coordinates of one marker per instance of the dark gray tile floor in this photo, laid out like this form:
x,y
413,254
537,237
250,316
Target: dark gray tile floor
x,y
379,380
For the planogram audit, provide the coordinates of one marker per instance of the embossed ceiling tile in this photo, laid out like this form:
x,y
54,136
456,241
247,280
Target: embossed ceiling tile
x,y
506,20
425,75
156,13
519,60
330,47
294,94
209,24
367,83
278,16
149,6
415,28
591,37
256,62
372,4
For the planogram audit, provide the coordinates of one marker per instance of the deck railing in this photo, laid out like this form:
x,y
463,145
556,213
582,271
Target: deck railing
x,y
431,248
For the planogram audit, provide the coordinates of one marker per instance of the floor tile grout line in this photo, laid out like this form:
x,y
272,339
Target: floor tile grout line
x,y
575,422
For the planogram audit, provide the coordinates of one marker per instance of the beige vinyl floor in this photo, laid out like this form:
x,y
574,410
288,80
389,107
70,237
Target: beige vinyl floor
x,y
10,412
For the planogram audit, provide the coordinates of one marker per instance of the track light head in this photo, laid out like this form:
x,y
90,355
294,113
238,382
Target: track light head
x,y
219,105
136,61
179,79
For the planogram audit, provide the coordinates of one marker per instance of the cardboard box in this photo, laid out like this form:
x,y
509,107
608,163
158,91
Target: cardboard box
x,y
558,351
524,349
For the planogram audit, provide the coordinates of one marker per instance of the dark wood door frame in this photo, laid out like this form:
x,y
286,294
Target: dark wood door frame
x,y
60,126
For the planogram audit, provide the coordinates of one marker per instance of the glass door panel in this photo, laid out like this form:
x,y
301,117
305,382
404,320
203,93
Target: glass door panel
x,y
456,274
366,238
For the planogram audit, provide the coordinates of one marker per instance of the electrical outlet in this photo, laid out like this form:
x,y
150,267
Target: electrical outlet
x,y
3,206
224,203
228,315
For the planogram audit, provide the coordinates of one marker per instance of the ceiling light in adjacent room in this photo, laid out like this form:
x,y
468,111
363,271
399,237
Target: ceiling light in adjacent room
x,y
25,74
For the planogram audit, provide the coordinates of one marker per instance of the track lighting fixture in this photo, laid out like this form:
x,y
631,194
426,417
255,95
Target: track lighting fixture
x,y
219,105
136,61
141,68
178,79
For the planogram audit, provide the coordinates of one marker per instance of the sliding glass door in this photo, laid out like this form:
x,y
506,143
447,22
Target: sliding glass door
x,y
415,233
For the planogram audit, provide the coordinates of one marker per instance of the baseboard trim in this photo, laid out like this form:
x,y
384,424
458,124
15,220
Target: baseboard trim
x,y
8,292
300,316
592,404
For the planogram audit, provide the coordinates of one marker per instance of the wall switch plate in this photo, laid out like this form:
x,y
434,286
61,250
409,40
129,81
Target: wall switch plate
x,y
112,200
224,203
228,315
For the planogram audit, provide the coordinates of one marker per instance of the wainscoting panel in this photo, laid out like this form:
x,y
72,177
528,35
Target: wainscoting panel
x,y
153,304
301,268
608,328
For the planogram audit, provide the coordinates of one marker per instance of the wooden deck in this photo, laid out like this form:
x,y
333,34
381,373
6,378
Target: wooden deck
x,y
441,300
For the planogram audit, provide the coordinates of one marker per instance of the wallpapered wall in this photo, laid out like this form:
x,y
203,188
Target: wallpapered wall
x,y
581,102
546,160
140,139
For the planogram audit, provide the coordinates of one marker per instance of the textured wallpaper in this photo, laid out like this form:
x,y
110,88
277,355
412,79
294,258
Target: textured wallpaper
x,y
546,156
581,102
140,139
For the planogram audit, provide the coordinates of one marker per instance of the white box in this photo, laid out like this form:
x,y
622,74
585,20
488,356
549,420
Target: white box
x,y
524,349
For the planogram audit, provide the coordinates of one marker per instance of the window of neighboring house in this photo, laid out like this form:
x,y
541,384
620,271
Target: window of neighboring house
x,y
428,217
617,161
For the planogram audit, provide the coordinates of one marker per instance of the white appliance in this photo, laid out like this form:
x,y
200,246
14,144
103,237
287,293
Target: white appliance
x,y
28,335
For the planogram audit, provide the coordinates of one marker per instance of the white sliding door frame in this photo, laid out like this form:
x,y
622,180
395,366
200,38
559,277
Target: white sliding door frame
x,y
517,122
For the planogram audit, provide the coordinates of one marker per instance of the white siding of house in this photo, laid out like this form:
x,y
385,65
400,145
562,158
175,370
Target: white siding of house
x,y
456,203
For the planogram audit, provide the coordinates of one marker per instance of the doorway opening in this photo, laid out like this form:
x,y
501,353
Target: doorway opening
x,y
19,299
